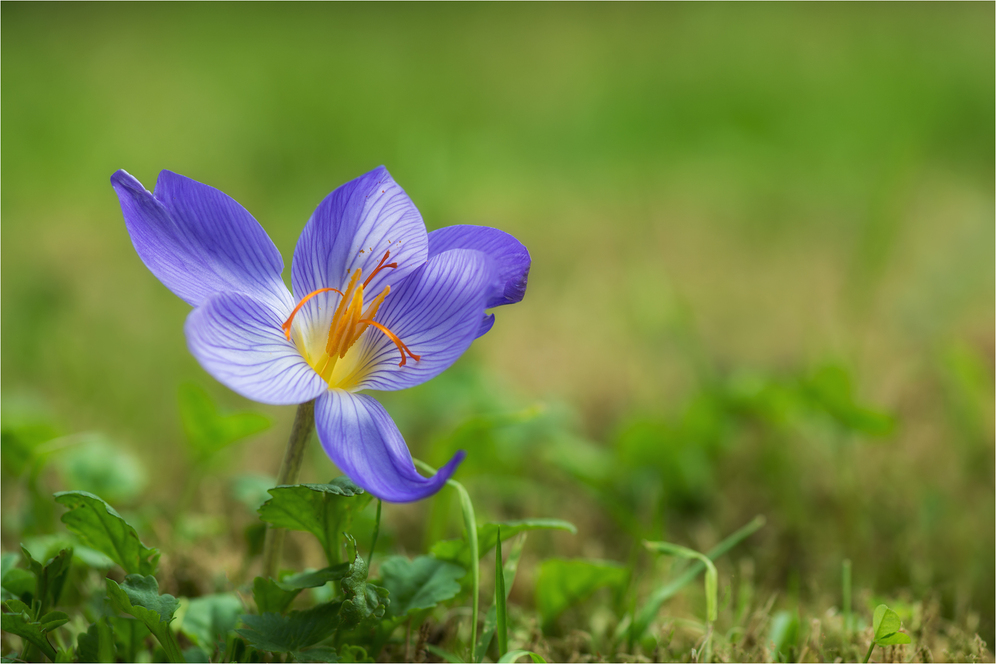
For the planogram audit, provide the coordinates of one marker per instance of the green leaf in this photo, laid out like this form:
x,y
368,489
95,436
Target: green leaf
x,y
195,655
24,426
64,655
363,601
564,583
296,633
46,546
31,631
270,597
99,466
894,639
96,644
830,389
711,576
666,592
418,584
457,551
324,510
129,637
887,624
19,583
208,430
784,635
316,578
8,561
208,619
100,527
252,489
276,596
49,578
444,655
348,653
139,596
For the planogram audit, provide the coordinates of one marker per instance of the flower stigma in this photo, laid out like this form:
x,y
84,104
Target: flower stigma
x,y
349,321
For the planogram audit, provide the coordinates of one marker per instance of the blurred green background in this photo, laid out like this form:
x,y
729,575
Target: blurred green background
x,y
762,241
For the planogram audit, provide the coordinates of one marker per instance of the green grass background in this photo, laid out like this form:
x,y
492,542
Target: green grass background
x,y
759,188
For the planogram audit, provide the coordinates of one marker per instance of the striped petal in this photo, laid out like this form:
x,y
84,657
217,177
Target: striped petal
x,y
436,313
511,257
353,228
200,242
238,340
363,441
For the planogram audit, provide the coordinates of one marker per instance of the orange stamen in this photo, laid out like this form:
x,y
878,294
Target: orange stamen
x,y
380,266
286,326
397,342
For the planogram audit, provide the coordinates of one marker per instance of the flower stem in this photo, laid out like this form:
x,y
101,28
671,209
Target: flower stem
x,y
290,468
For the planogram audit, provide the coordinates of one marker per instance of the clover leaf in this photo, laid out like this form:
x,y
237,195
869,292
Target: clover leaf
x,y
886,625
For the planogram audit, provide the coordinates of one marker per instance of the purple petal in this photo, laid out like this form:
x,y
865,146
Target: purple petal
x,y
436,312
353,228
363,441
198,241
486,324
510,256
238,340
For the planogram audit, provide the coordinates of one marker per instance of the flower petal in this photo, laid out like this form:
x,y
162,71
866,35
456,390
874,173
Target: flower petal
x,y
199,241
363,441
486,324
436,313
353,228
510,256
238,340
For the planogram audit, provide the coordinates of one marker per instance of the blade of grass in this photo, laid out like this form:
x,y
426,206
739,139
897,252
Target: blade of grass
x,y
500,609
711,576
846,591
444,655
653,604
376,533
510,568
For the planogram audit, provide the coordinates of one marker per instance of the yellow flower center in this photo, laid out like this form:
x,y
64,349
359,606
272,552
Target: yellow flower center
x,y
349,322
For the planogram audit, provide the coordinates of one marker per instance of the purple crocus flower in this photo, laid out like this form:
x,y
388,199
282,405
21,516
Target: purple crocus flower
x,y
378,304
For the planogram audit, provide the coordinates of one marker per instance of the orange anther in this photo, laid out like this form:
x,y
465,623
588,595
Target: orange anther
x,y
397,342
380,266
286,326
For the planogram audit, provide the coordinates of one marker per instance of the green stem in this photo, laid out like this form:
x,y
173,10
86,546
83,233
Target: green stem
x,y
373,544
470,528
846,591
290,468
868,655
